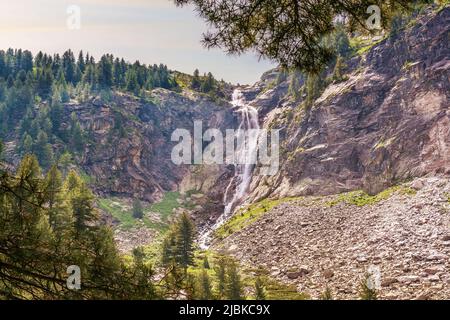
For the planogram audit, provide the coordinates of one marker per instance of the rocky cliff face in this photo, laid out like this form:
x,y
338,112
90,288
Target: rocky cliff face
x,y
388,122
129,148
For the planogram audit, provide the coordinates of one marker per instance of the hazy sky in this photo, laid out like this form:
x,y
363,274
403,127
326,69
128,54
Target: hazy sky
x,y
152,31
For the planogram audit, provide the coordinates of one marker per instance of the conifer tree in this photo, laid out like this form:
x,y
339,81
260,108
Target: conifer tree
x,y
221,277
43,150
260,292
233,290
206,262
337,73
294,85
366,292
132,83
105,72
185,241
327,294
196,82
205,292
138,211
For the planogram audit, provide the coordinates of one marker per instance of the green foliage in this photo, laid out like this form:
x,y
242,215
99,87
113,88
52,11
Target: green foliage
x,y
361,45
290,33
138,211
327,294
360,198
205,289
295,85
342,42
43,150
221,277
233,288
48,75
196,83
260,291
178,246
314,86
46,225
247,216
338,69
206,262
365,292
121,211
166,206
76,136
208,83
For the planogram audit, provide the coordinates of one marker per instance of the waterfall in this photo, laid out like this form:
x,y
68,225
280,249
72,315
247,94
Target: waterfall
x,y
243,170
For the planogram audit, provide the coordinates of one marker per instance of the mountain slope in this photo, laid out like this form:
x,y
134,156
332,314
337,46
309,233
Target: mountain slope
x,y
388,122
333,241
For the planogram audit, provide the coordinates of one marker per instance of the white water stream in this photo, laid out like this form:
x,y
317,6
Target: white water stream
x,y
243,171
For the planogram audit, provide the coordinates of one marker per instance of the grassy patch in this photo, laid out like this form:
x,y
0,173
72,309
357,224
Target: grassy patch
x,y
361,45
123,212
166,205
247,216
89,180
360,198
119,211
274,289
384,143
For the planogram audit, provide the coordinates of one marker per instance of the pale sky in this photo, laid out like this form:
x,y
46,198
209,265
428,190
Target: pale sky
x,y
151,31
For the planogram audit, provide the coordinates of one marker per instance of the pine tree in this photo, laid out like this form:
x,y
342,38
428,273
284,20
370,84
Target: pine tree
x,y
185,241
295,86
44,82
206,262
260,292
132,83
196,82
233,288
337,73
208,83
68,65
105,72
143,288
205,292
80,63
312,89
56,112
118,74
138,211
327,294
27,144
82,202
64,161
342,42
221,277
90,76
365,292
168,249
76,134
43,150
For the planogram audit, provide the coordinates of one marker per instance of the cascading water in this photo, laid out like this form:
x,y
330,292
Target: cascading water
x,y
243,167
